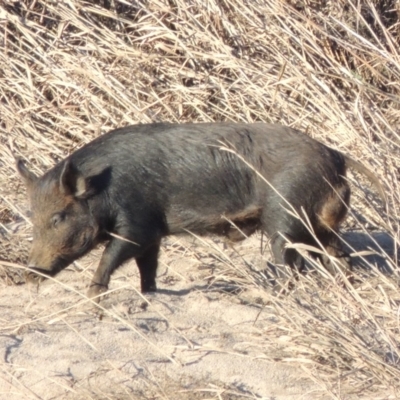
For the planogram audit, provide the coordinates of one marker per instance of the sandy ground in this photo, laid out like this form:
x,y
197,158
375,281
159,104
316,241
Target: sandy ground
x,y
199,336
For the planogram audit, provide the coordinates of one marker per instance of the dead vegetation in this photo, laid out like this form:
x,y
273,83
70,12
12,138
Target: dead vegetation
x,y
74,69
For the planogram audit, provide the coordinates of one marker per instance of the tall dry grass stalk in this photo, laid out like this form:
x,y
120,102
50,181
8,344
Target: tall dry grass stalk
x,y
72,70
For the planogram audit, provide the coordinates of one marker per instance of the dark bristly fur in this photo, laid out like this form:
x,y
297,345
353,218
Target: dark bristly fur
x,y
144,182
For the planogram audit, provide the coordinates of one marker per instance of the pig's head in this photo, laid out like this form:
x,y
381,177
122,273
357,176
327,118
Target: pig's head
x,y
64,228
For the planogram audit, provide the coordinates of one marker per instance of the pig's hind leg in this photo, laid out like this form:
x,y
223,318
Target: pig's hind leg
x,y
285,256
283,229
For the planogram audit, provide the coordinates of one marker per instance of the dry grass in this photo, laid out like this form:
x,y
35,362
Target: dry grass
x,y
74,69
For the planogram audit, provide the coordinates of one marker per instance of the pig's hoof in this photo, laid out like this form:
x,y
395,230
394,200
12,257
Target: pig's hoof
x,y
95,290
149,287
33,277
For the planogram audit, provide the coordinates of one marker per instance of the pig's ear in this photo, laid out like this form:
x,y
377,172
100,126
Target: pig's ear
x,y
72,182
29,177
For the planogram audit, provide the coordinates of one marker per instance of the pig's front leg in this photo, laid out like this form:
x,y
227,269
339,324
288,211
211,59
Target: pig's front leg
x,y
116,252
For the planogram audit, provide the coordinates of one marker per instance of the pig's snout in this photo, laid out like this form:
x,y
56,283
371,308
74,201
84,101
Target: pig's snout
x,y
32,276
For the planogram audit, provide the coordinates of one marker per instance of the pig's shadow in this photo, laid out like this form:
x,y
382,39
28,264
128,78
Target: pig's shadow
x,y
377,249
367,250
381,245
215,287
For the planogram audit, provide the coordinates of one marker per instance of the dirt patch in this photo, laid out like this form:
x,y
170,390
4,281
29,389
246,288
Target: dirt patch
x,y
191,339
209,331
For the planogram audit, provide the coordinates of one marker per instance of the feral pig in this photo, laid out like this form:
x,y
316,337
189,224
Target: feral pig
x,y
135,185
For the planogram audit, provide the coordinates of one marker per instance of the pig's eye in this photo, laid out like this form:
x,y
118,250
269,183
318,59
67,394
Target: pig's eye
x,y
57,218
